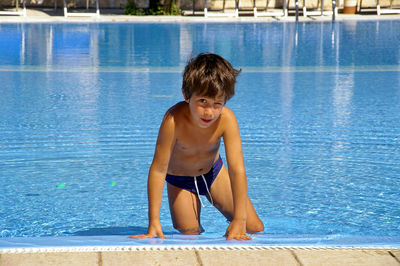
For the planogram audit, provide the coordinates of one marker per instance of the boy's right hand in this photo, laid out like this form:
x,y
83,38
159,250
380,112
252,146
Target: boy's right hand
x,y
154,230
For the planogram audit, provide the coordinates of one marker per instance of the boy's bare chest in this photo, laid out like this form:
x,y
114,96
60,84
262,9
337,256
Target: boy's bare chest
x,y
193,156
193,142
194,152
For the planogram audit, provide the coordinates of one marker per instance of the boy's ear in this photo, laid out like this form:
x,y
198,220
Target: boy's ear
x,y
185,96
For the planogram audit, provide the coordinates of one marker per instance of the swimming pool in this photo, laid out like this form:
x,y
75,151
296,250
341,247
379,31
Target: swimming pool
x,y
318,106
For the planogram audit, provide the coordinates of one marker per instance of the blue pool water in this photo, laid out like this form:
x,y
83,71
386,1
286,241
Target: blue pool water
x,y
318,106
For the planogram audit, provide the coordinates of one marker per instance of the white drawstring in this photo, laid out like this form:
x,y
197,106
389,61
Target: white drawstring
x,y
212,202
197,190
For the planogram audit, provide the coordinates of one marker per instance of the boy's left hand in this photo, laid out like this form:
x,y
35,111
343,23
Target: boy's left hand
x,y
237,230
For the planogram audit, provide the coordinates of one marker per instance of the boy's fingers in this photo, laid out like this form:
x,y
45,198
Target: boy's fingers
x,y
147,236
237,237
139,236
248,237
228,236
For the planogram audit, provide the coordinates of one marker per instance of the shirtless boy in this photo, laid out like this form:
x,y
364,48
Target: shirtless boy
x,y
187,155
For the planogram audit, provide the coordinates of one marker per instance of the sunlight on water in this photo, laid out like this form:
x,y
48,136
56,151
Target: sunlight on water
x,y
318,106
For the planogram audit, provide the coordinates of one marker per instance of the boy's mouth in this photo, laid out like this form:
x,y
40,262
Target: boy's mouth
x,y
206,120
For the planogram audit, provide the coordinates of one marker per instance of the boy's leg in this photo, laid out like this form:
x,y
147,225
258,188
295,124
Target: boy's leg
x,y
221,192
185,210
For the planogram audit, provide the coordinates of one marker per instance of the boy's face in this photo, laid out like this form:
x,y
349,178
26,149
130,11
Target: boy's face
x,y
205,110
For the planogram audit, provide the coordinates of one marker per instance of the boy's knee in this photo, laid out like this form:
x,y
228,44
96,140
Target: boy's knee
x,y
258,226
190,231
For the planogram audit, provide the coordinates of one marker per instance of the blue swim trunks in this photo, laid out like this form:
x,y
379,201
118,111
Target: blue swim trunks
x,y
188,182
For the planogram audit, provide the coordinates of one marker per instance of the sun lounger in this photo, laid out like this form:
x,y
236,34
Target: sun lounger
x,y
270,13
380,10
16,12
223,12
319,11
239,9
82,14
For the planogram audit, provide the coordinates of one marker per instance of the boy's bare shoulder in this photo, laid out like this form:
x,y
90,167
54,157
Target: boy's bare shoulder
x,y
175,113
171,119
227,121
227,115
177,108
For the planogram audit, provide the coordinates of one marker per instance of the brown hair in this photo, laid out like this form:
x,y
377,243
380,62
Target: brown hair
x,y
209,75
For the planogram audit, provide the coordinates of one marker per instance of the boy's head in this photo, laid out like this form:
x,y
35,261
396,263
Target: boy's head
x,y
209,75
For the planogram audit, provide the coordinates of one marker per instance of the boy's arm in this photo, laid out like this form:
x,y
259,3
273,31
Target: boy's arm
x,y
157,173
237,174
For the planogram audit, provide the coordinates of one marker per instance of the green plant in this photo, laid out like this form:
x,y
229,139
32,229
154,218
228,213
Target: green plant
x,y
158,9
133,10
175,11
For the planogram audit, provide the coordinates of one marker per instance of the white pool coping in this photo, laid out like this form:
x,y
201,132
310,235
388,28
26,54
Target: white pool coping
x,y
181,248
203,242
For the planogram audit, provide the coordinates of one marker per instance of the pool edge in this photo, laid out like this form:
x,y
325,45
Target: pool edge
x,y
191,255
185,247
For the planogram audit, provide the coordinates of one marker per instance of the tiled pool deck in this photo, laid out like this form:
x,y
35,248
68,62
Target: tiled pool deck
x,y
207,256
200,250
192,255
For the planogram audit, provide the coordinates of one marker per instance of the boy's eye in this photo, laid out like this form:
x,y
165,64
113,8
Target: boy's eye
x,y
203,100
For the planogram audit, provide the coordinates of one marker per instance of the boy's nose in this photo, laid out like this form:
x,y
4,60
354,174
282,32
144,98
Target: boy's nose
x,y
208,112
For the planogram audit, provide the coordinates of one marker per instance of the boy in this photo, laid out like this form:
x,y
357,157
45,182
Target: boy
x,y
187,156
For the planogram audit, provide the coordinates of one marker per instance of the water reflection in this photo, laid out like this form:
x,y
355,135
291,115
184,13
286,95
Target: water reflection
x,y
317,102
286,86
170,45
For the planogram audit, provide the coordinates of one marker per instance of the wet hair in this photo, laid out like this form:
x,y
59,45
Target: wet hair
x,y
209,75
